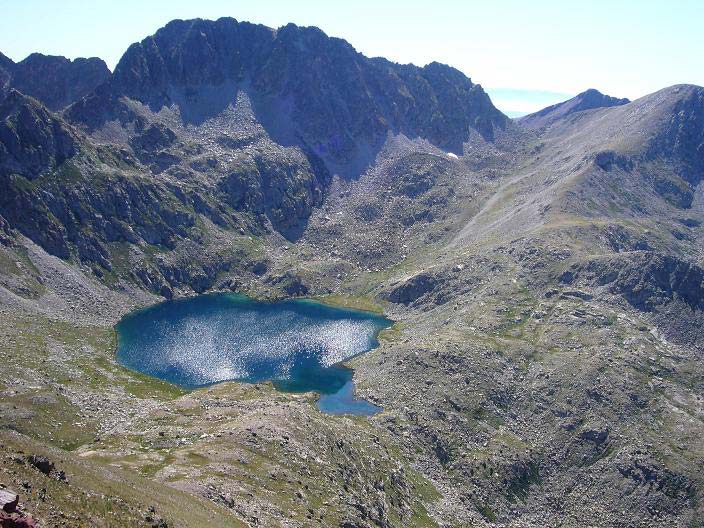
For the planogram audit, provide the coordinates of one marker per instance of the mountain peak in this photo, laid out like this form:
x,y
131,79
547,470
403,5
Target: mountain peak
x,y
591,92
587,100
329,97
593,98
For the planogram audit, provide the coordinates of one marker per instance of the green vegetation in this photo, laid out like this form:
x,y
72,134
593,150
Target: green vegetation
x,y
519,485
95,495
363,303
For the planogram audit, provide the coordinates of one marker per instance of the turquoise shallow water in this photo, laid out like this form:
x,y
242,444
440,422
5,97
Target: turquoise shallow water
x,y
297,344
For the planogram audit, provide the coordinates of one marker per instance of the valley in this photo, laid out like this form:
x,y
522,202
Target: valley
x,y
544,276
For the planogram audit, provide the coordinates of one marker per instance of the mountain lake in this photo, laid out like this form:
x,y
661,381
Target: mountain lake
x,y
300,345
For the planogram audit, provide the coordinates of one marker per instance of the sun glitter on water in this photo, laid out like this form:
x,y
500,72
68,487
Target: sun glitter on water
x,y
297,344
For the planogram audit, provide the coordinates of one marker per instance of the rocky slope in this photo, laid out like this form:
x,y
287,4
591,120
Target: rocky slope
x,y
546,281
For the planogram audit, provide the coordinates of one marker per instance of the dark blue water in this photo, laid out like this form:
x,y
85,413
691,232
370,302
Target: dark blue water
x,y
297,344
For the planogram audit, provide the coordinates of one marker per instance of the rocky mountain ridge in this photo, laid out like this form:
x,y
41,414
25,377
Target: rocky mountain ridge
x,y
306,88
293,77
55,81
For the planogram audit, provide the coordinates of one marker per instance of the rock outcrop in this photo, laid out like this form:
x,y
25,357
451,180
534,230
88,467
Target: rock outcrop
x,y
10,514
74,211
283,187
6,65
413,288
667,287
32,139
645,279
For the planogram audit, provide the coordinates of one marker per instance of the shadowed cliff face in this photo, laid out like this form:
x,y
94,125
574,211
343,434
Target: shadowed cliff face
x,y
55,81
32,139
307,88
6,65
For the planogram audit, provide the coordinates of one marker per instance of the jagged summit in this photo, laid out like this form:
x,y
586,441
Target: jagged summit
x,y
307,88
54,80
587,100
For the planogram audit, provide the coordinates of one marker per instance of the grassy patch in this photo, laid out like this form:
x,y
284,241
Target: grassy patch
x,y
518,487
392,333
47,416
362,303
486,511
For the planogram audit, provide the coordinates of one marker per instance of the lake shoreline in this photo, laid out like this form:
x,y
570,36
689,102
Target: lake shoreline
x,y
204,356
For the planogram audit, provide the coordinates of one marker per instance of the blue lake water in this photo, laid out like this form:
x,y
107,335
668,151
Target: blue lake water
x,y
297,344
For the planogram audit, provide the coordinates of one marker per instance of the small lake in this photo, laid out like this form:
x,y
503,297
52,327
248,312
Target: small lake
x,y
299,345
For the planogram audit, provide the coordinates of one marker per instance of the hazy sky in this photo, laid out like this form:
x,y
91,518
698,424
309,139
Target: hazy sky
x,y
527,54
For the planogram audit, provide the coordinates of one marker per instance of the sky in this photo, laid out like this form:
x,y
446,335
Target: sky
x,y
526,54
